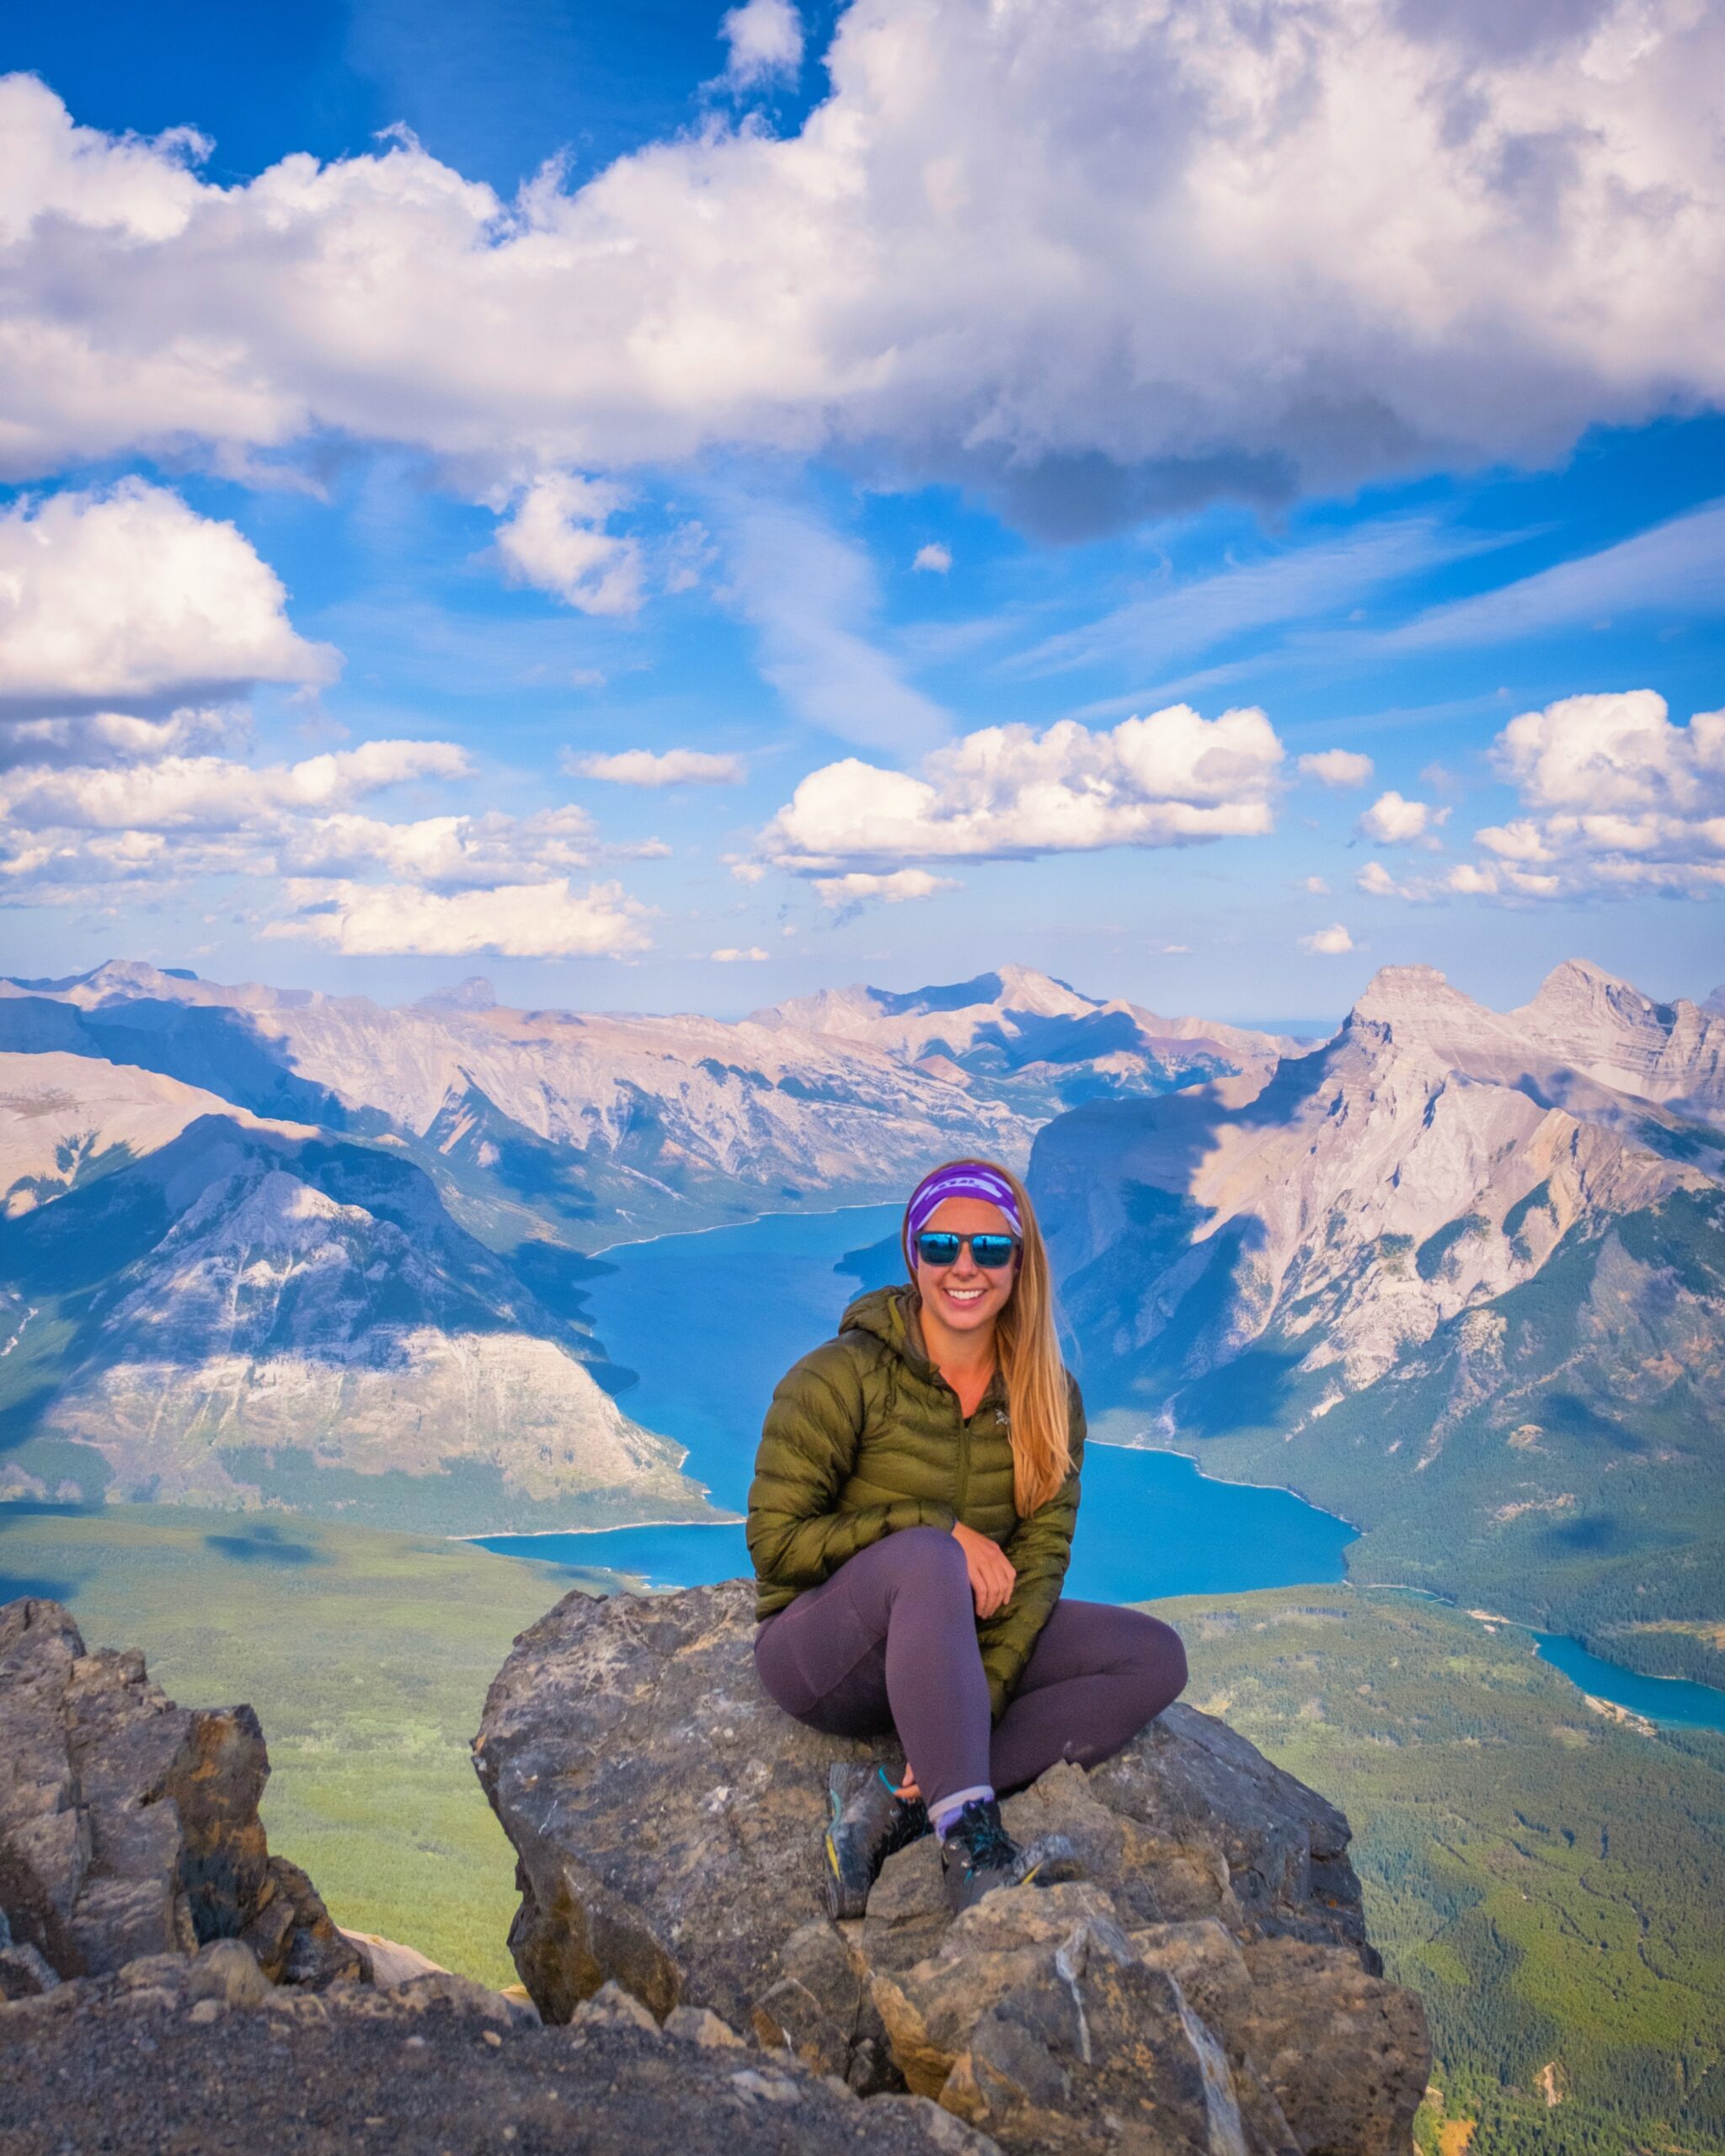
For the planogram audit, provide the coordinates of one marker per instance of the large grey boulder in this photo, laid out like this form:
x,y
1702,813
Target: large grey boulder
x,y
1208,1988
129,1826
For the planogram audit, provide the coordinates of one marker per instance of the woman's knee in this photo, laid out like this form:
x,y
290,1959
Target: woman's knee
x,y
927,1553
1158,1662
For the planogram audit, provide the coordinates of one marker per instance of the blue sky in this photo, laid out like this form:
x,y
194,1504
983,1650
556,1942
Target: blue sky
x,y
933,422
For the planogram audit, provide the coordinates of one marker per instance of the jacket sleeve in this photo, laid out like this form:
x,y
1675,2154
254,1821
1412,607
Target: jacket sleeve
x,y
797,1536
1040,1547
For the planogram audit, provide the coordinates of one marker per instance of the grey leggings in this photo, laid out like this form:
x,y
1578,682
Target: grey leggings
x,y
889,1641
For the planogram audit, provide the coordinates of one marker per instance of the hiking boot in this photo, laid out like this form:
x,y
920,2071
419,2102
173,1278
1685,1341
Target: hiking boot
x,y
978,1855
869,1821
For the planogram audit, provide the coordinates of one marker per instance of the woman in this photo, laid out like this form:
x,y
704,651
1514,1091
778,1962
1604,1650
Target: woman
x,y
911,1522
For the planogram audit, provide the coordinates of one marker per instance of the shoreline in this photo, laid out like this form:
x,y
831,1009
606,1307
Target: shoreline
x,y
1490,1620
616,1527
753,1220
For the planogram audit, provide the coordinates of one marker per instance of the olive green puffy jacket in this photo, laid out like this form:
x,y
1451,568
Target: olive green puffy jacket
x,y
864,1436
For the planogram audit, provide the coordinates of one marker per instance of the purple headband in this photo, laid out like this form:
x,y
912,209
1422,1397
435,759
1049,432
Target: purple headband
x,y
964,1179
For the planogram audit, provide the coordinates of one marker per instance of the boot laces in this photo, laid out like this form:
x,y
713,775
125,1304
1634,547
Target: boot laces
x,y
988,1845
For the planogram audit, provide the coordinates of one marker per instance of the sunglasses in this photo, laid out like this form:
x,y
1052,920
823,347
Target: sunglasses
x,y
993,1253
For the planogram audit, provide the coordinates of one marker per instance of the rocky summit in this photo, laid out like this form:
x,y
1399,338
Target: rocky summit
x,y
175,1986
1207,1987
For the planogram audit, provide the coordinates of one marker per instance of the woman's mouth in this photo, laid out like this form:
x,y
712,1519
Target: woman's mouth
x,y
964,1297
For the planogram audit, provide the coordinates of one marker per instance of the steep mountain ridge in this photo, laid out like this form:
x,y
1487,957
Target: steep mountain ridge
x,y
1023,1036
64,1119
1428,1265
250,1313
1672,1052
663,1120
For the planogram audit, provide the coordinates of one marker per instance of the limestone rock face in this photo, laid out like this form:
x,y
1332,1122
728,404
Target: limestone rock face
x,y
1208,1986
129,1826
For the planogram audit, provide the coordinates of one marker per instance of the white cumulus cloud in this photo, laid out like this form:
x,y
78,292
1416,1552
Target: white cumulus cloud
x,y
655,767
1329,942
1615,799
1171,779
554,538
766,41
514,921
129,597
1391,820
862,886
934,559
1104,259
1340,768
179,794
731,955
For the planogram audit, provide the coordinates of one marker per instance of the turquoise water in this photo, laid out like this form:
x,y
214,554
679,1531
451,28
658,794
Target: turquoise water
x,y
713,1322
1660,1699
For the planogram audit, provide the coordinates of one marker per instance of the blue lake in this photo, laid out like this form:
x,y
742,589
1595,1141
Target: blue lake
x,y
1660,1699
713,1322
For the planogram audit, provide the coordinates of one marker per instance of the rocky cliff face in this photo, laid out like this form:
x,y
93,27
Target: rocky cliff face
x,y
1209,1988
1434,1271
129,1827
165,1982
1431,1157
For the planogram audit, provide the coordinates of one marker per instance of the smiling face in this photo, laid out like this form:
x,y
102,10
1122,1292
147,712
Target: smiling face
x,y
961,1297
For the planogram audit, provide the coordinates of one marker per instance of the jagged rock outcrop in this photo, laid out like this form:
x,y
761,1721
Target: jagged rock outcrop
x,y
129,1826
1208,1988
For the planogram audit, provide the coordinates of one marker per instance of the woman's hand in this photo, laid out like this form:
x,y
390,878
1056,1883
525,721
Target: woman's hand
x,y
992,1578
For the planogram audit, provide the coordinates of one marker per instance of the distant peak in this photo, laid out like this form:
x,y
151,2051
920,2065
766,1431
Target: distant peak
x,y
475,993
1012,988
1394,989
1582,975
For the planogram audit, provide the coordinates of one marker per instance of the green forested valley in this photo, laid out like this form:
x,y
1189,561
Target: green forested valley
x,y
1549,1881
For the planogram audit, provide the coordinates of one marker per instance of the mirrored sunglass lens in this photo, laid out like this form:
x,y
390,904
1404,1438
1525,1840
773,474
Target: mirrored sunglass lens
x,y
937,1250
992,1250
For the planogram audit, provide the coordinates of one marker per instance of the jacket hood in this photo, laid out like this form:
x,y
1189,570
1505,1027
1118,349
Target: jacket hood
x,y
885,1313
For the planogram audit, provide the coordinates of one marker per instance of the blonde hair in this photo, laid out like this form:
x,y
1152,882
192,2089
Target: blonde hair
x,y
1028,1350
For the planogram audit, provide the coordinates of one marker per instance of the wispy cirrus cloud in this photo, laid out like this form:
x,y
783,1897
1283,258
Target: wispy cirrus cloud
x,y
1675,567
1183,619
813,599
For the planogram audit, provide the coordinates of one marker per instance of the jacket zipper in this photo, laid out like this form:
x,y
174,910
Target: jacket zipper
x,y
963,1491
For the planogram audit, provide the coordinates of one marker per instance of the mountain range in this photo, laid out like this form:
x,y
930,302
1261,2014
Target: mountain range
x,y
1457,1274
1020,1037
264,1246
